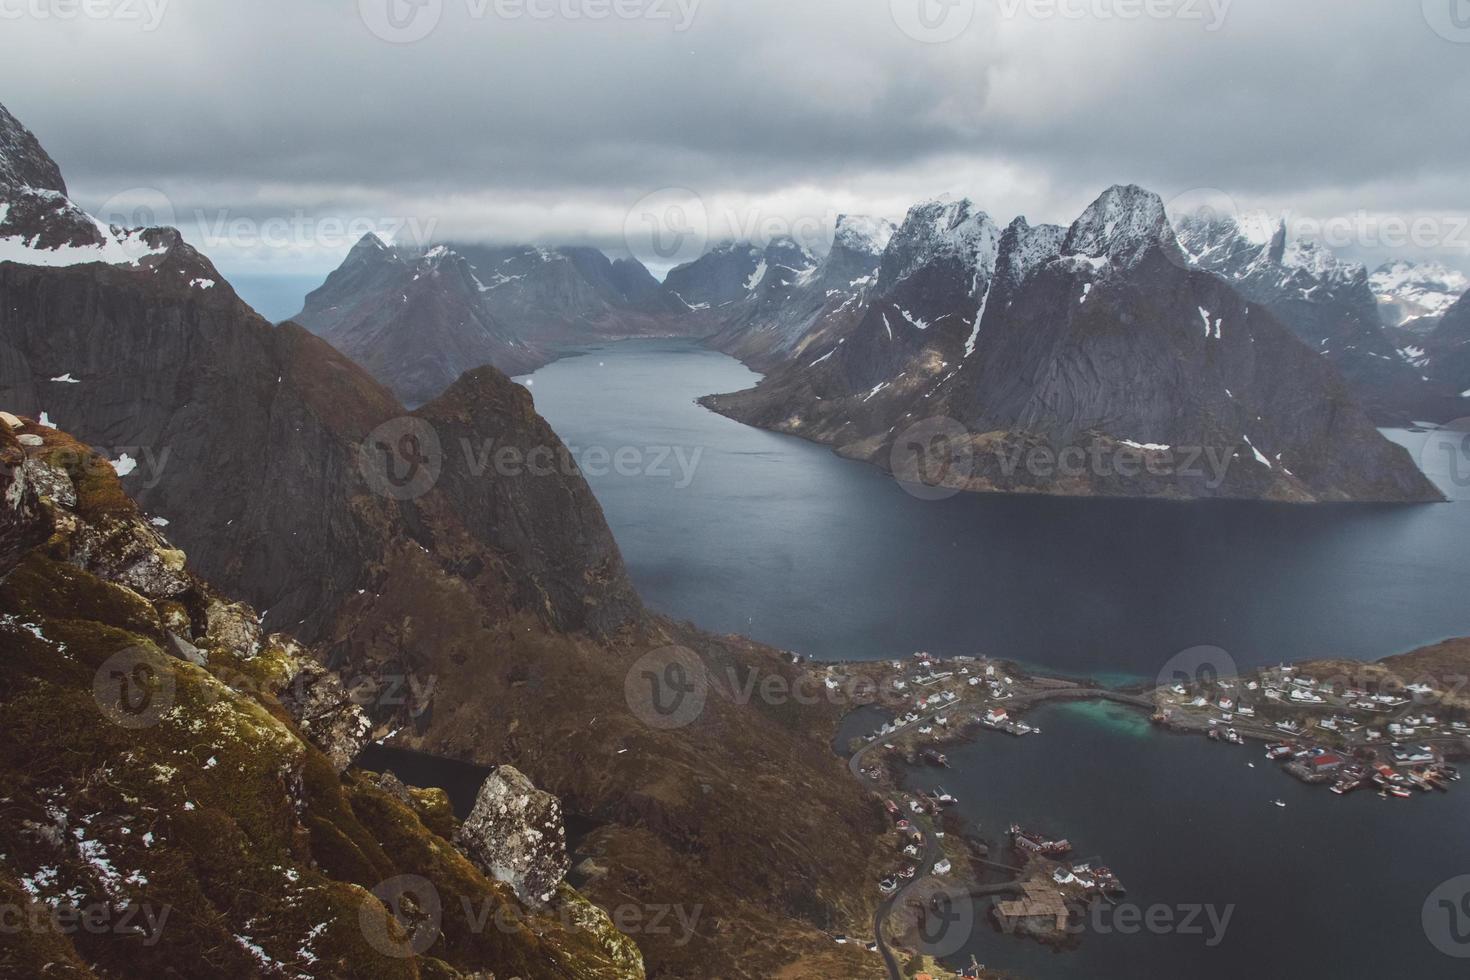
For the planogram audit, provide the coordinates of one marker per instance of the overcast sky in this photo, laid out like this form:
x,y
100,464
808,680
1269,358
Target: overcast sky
x,y
285,119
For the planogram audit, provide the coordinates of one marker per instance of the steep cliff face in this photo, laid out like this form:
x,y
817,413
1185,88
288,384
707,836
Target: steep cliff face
x,y
1028,344
146,787
1328,303
516,491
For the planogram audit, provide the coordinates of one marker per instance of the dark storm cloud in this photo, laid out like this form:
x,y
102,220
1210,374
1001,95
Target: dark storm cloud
x,y
512,126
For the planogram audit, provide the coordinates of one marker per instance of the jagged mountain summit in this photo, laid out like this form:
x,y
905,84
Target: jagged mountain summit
x,y
418,319
1327,302
793,298
481,610
1101,340
1414,295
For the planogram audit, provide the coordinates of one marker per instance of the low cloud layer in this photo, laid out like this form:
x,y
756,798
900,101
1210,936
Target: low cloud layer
x,y
547,120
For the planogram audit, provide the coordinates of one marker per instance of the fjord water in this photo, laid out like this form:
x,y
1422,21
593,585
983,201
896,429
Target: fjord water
x,y
782,540
1327,886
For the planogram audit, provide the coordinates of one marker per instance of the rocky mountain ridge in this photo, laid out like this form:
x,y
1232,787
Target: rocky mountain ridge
x,y
419,318
1327,302
1106,340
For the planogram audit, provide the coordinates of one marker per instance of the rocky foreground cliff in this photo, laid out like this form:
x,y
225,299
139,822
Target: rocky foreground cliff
x,y
478,606
171,811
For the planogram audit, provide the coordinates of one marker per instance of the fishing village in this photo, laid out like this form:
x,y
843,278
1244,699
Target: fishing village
x,y
1346,727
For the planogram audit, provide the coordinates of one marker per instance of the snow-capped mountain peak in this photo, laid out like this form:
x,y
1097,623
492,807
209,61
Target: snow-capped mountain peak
x,y
943,228
1411,290
863,234
1121,225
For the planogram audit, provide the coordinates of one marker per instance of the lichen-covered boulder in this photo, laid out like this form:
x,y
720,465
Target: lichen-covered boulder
x,y
323,709
515,834
233,627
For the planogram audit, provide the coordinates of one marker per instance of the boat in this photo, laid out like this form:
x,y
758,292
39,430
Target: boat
x,y
943,798
1280,751
1402,792
1279,803
1233,737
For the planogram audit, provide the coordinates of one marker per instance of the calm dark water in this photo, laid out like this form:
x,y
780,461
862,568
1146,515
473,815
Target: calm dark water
x,y
1327,887
782,540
